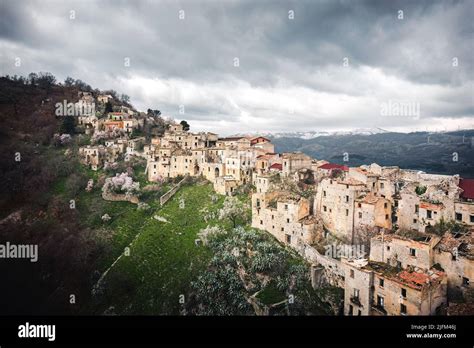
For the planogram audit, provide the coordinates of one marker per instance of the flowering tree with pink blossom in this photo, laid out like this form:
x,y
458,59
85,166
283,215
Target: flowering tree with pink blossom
x,y
121,183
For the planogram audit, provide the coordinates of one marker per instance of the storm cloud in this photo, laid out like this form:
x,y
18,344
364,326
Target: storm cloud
x,y
248,66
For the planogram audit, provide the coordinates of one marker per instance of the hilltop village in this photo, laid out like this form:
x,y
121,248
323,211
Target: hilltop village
x,y
398,241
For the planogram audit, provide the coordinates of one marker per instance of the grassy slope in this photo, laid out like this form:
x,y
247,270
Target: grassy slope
x,y
164,259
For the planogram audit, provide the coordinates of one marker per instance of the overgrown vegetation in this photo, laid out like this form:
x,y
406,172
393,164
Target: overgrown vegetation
x,y
248,262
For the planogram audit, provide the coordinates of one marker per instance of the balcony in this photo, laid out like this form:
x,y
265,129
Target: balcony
x,y
379,310
355,300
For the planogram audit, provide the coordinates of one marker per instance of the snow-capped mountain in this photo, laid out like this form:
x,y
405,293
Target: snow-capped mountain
x,y
316,134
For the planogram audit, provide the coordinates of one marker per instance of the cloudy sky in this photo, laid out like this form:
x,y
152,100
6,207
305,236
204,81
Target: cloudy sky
x,y
247,66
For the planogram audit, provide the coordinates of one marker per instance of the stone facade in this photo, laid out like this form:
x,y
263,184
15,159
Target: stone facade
x,y
373,288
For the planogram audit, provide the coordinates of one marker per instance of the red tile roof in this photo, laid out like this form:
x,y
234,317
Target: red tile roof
x,y
255,140
467,185
330,166
276,166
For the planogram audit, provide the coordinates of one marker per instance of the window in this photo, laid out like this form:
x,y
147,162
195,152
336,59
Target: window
x,y
288,220
386,216
352,273
403,309
385,205
359,205
286,206
356,293
347,199
412,252
381,282
417,208
381,185
325,208
273,217
347,212
288,239
429,214
360,215
380,301
415,221
373,184
404,293
324,193
388,248
261,222
458,216
282,229
471,218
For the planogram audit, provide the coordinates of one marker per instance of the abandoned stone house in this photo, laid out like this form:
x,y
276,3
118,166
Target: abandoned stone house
x,y
121,120
104,98
372,214
451,253
464,205
262,182
401,251
335,203
286,216
455,255
375,288
291,162
426,202
96,156
88,124
85,97
225,185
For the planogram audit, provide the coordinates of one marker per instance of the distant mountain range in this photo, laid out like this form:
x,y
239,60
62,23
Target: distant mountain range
x,y
316,134
442,153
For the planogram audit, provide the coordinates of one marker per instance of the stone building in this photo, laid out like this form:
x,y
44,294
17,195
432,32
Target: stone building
x,y
286,216
425,203
291,162
374,288
225,185
416,250
89,123
96,156
451,253
464,205
455,255
335,203
372,214
104,98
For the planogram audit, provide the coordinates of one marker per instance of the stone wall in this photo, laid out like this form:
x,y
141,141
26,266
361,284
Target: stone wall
x,y
115,197
166,197
334,271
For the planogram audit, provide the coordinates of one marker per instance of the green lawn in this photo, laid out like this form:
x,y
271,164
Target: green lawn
x,y
163,259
